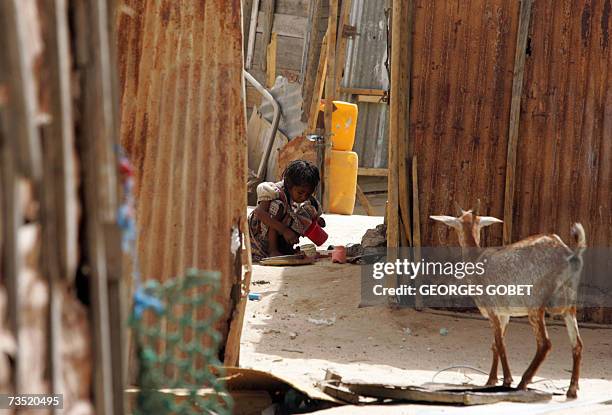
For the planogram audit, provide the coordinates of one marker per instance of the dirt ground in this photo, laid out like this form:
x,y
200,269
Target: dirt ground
x,y
308,320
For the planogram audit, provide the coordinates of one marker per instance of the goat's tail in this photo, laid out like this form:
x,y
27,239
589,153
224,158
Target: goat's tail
x,y
580,238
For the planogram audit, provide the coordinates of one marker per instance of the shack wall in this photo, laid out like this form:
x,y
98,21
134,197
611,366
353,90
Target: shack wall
x,y
462,70
462,64
183,126
463,57
564,169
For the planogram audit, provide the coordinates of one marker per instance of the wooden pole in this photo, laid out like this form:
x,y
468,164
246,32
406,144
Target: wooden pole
x,y
19,156
117,285
309,51
330,88
268,10
416,226
271,53
341,44
364,91
59,218
416,213
232,347
21,120
11,220
252,33
118,312
59,135
311,57
246,8
394,127
319,84
515,113
396,130
403,96
367,171
99,170
363,199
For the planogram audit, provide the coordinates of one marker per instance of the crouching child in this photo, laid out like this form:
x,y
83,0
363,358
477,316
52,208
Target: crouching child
x,y
284,211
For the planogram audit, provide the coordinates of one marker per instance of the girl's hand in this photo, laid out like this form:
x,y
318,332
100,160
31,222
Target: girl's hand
x,y
321,222
290,236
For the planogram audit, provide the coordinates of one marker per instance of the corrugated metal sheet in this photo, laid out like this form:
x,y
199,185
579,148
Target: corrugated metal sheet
x,y
372,134
564,155
462,64
183,126
365,68
367,51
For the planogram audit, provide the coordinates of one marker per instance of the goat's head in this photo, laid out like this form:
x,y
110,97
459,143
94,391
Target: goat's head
x,y
468,224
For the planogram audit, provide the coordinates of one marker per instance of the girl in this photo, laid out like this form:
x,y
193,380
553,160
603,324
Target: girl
x,y
284,211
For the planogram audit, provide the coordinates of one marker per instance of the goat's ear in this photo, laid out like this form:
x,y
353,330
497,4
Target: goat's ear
x,y
488,220
451,221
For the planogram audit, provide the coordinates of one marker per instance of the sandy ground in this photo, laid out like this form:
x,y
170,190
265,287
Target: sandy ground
x,y
282,335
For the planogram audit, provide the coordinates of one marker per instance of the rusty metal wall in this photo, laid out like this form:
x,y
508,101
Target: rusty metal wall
x,y
183,125
462,71
462,63
564,160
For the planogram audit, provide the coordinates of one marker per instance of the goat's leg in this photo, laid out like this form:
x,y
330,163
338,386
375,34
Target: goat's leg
x,y
498,331
574,335
536,319
492,381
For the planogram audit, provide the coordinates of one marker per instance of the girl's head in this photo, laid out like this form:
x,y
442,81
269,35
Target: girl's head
x,y
301,179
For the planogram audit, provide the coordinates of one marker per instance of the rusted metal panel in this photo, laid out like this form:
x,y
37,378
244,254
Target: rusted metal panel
x,y
365,68
565,143
371,135
183,126
564,170
462,65
462,62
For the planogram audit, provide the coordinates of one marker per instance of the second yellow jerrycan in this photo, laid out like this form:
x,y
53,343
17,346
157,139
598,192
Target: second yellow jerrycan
x,y
343,182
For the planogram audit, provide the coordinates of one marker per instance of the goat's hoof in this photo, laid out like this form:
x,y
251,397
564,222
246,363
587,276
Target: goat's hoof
x,y
507,383
491,382
571,393
522,386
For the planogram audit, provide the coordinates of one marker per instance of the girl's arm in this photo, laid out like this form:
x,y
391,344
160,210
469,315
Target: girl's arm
x,y
315,203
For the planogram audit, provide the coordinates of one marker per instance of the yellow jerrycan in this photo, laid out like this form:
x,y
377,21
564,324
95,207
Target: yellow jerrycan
x,y
343,182
344,124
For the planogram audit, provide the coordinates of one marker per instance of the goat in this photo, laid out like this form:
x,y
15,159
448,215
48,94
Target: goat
x,y
544,261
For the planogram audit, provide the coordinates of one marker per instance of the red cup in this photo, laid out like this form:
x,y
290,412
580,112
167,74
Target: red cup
x,y
316,233
339,254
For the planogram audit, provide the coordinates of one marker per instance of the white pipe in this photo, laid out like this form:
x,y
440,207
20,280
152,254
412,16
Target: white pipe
x,y
263,164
